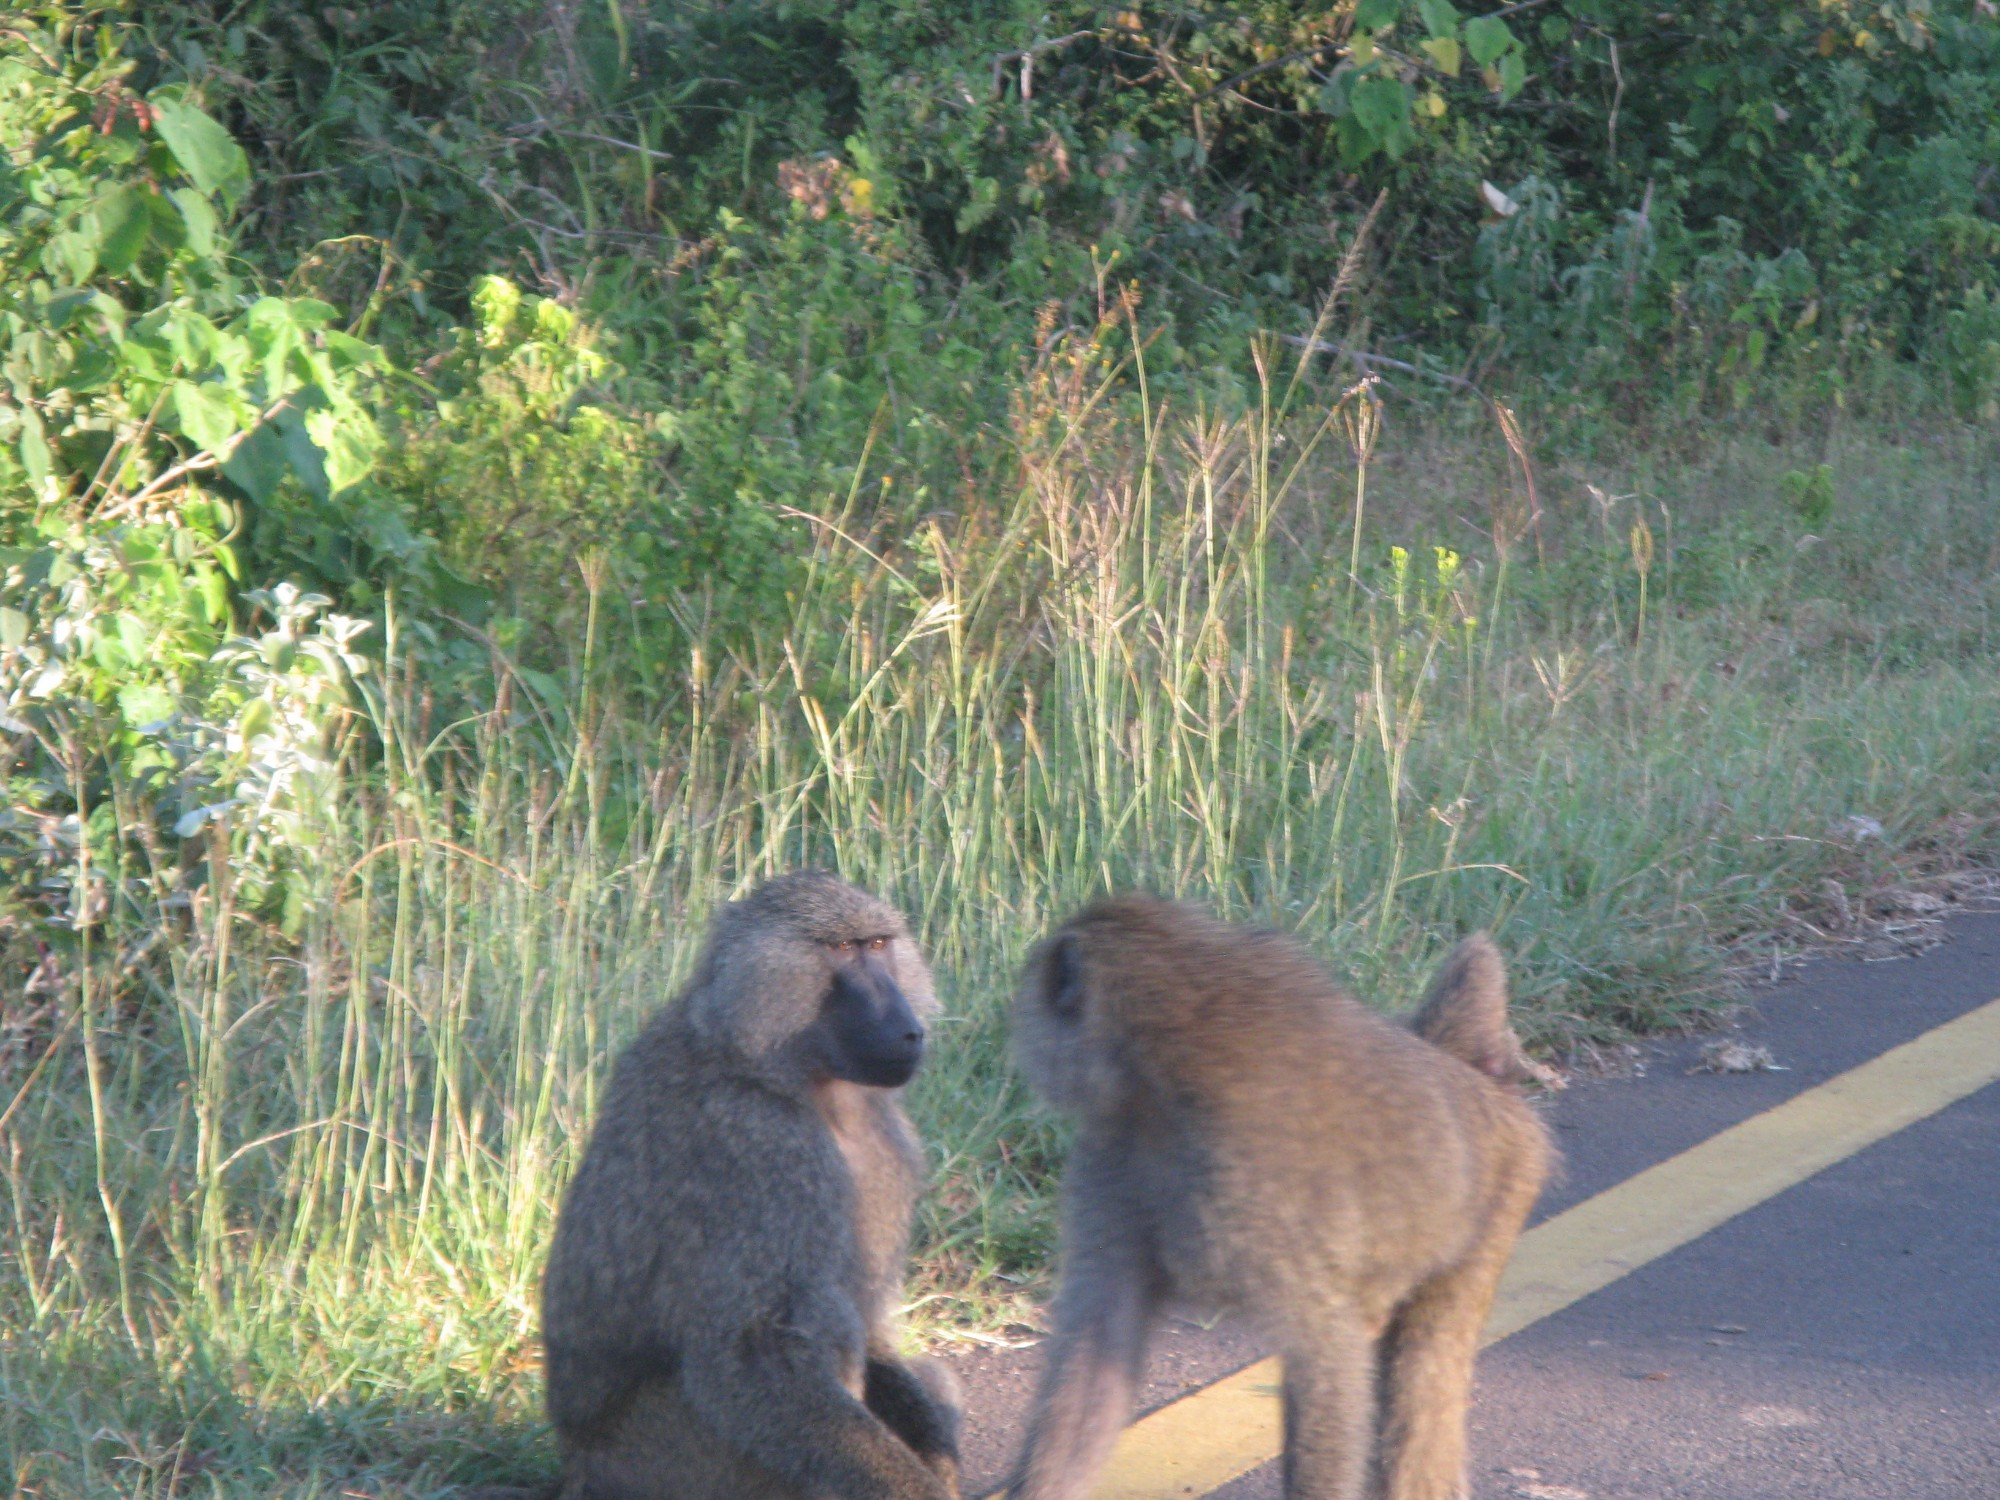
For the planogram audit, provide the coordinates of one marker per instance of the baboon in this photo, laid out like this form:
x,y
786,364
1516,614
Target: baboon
x,y
717,1309
1253,1139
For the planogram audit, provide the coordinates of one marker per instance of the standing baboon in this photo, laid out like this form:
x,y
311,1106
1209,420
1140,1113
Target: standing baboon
x,y
717,1306
1254,1139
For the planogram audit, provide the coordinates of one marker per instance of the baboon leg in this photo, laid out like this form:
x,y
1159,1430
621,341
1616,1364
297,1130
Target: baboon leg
x,y
919,1400
1329,1413
1427,1372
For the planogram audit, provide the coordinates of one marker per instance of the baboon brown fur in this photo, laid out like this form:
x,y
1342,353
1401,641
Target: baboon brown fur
x,y
1253,1139
717,1308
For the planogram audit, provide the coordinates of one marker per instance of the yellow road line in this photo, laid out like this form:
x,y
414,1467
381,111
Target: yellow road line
x,y
1229,1428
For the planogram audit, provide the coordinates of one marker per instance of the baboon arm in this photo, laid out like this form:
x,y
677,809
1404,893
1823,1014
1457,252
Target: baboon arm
x,y
922,1412
782,1405
1103,1315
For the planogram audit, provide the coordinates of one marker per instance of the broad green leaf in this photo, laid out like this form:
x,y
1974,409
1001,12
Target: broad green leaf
x,y
310,312
1486,37
1440,17
191,336
164,223
274,333
1356,144
13,628
124,216
214,595
34,445
1373,15
348,440
135,635
1379,104
144,704
207,414
110,653
71,256
256,718
205,151
1444,51
303,454
257,464
199,217
348,352
1513,69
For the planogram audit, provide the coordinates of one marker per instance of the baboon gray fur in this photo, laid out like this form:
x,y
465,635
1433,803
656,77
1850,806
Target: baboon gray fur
x,y
717,1308
1253,1139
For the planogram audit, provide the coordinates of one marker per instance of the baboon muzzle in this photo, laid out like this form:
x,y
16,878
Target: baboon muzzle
x,y
877,1039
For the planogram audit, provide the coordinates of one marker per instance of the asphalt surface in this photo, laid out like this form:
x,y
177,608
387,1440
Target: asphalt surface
x,y
1840,1340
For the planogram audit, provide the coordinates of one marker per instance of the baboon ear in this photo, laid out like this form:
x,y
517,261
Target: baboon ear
x,y
1065,978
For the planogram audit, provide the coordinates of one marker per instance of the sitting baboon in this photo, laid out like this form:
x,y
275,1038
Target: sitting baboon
x,y
1253,1139
717,1308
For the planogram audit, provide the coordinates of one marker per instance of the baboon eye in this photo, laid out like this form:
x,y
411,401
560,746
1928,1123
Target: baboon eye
x,y
877,944
845,945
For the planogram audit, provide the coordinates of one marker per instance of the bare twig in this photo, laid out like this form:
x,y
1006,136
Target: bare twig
x,y
1026,56
1617,98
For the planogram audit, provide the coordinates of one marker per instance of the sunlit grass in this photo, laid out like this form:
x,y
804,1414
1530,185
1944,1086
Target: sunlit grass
x,y
277,1206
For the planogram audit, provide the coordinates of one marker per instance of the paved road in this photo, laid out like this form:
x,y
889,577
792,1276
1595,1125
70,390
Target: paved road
x,y
1840,1340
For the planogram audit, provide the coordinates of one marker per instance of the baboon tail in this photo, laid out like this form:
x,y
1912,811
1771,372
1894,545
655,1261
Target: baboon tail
x,y
1465,1013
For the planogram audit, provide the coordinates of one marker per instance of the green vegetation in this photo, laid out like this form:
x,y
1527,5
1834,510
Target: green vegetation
x,y
922,457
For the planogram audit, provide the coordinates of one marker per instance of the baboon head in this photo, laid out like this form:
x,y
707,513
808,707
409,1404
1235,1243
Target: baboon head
x,y
1069,1021
808,977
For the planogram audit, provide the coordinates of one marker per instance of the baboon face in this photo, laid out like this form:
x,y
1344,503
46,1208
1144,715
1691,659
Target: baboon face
x,y
809,975
867,1033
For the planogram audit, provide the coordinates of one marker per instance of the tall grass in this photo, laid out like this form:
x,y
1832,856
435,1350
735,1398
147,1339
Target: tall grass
x,y
277,1204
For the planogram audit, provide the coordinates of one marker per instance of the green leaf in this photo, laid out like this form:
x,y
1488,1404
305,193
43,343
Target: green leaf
x,y
35,456
1356,144
13,628
350,353
1513,73
214,596
199,217
257,464
144,703
257,718
348,439
303,454
1379,104
275,332
310,312
72,255
1373,15
205,151
206,412
1486,38
1444,51
192,337
124,217
135,636
1441,17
